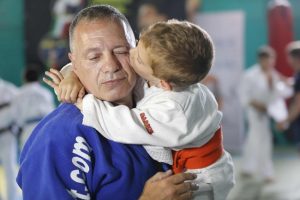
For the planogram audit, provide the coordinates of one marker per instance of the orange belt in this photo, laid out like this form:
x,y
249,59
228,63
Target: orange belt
x,y
200,157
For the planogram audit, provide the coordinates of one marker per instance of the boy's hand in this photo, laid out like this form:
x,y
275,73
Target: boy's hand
x,y
78,104
54,77
68,89
71,89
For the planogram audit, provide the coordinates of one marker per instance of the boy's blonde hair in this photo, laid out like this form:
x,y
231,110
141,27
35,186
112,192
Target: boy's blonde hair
x,y
181,53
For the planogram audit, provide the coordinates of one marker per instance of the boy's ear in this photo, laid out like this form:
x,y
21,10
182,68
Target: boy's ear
x,y
166,85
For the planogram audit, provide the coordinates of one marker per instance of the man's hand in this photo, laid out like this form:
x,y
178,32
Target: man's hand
x,y
67,89
165,186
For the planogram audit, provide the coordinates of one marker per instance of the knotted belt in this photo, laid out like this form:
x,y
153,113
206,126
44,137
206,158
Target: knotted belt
x,y
199,157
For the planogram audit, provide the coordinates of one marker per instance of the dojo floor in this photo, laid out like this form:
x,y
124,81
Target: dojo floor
x,y
285,187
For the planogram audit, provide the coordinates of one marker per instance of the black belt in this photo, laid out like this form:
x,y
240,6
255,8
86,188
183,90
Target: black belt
x,y
3,105
17,129
5,129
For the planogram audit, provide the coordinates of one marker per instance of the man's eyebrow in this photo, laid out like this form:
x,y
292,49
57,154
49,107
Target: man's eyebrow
x,y
122,46
93,49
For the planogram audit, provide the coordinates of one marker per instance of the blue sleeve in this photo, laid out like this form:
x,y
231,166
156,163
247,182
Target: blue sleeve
x,y
49,169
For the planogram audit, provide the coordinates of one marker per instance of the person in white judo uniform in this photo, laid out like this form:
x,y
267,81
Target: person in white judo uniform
x,y
262,95
29,106
8,142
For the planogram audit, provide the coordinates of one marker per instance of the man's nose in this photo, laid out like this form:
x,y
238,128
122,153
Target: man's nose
x,y
111,63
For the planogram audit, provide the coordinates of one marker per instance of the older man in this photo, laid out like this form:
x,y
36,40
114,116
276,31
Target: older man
x,y
64,159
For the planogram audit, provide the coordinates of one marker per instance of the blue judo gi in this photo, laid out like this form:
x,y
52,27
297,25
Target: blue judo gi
x,y
64,159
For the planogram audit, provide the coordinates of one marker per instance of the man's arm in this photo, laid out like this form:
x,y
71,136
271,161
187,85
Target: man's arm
x,y
164,186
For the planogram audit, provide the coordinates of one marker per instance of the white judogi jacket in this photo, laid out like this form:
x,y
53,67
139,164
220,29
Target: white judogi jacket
x,y
182,119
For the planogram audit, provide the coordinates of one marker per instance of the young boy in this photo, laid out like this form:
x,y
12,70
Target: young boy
x,y
176,119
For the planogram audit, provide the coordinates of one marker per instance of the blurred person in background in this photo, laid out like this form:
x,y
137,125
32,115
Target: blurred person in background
x,y
192,8
8,142
29,106
261,97
150,13
213,85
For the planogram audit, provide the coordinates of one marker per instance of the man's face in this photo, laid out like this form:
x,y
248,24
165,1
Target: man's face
x,y
100,57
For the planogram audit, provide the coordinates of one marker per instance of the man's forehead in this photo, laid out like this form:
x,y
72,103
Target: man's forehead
x,y
101,30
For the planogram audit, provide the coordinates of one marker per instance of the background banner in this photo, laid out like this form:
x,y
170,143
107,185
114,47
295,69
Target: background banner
x,y
227,32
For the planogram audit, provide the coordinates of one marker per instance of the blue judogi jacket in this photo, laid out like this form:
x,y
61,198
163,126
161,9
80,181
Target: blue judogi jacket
x,y
64,159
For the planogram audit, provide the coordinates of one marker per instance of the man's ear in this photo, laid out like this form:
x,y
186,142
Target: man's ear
x,y
165,85
71,57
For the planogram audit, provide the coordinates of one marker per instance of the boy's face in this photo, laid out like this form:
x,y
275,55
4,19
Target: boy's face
x,y
140,62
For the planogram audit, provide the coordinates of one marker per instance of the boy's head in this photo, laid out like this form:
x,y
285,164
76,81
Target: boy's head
x,y
266,57
177,52
293,55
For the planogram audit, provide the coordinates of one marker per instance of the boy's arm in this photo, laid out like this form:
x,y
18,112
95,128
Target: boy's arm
x,y
161,124
65,83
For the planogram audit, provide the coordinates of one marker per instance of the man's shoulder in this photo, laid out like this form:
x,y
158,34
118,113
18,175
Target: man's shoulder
x,y
62,123
63,115
60,129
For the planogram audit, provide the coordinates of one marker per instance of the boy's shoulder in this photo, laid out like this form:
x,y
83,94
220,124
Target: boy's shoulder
x,y
194,93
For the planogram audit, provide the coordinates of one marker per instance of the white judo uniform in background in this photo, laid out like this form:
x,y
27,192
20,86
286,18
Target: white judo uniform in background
x,y
257,155
166,120
32,103
8,142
